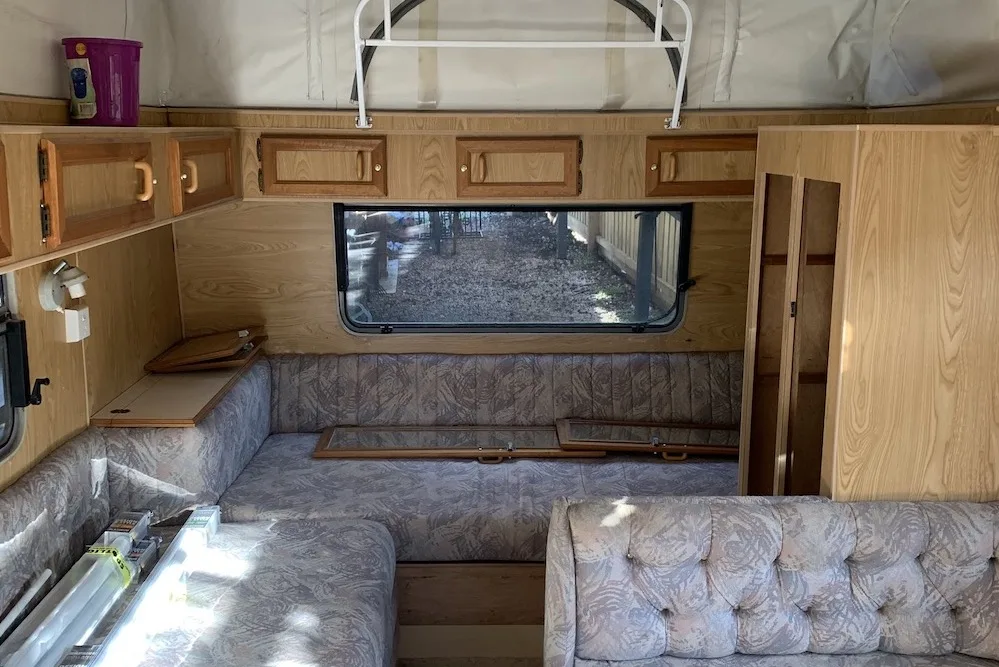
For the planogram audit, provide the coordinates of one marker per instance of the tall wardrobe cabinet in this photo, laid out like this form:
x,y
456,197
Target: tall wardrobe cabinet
x,y
872,355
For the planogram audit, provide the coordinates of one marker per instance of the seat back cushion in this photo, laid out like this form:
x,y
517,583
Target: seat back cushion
x,y
169,470
313,392
707,580
50,515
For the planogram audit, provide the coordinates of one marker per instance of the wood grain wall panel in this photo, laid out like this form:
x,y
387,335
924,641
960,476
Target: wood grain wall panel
x,y
272,264
613,167
134,311
18,110
424,168
63,412
920,371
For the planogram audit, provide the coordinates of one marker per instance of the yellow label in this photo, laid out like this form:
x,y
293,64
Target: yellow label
x,y
116,557
81,49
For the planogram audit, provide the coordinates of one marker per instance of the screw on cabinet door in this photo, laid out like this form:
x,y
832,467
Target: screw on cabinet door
x,y
378,167
464,168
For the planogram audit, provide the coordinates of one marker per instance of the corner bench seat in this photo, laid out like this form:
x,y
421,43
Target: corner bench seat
x,y
451,510
284,592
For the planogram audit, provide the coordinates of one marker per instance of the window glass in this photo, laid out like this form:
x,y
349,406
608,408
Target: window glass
x,y
553,269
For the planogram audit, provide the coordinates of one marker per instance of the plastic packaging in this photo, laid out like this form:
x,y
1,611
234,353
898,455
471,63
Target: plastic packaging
x,y
103,80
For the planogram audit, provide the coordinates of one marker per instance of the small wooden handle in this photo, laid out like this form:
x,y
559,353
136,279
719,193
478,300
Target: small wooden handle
x,y
147,181
491,460
360,166
482,168
192,177
670,168
674,458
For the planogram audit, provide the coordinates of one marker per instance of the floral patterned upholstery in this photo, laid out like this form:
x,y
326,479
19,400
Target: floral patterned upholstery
x,y
651,583
50,515
169,470
312,392
278,593
450,510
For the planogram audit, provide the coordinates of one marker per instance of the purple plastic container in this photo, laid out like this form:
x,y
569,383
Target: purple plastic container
x,y
103,80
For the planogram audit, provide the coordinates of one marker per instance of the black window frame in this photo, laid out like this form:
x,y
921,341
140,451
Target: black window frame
x,y
664,324
12,435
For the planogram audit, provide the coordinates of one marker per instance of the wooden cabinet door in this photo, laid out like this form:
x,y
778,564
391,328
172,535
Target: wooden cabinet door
x,y
6,249
94,188
542,167
700,166
201,172
293,166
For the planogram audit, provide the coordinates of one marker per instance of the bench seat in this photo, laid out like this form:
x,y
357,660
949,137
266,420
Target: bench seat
x,y
279,593
450,510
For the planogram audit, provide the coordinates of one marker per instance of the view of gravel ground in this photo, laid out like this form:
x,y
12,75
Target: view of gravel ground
x,y
511,274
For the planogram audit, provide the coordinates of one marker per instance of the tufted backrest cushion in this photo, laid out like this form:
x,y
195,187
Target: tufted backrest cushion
x,y
312,392
706,580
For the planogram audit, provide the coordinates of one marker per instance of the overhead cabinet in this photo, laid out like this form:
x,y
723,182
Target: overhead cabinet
x,y
700,165
302,166
202,172
871,365
90,188
514,167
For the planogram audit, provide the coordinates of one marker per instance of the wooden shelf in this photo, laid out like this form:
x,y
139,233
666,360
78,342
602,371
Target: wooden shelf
x,y
178,400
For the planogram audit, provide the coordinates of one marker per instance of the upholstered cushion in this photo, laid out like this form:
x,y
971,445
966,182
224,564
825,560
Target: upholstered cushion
x,y
169,470
450,510
696,580
50,515
285,593
877,659
313,392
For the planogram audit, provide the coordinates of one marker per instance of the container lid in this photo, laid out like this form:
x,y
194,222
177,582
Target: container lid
x,y
69,41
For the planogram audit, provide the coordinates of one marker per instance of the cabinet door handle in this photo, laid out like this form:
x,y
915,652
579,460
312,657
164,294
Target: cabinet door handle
x,y
482,168
669,170
147,181
192,177
360,166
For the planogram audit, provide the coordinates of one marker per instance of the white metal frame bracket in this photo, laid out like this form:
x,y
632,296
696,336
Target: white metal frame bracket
x,y
657,42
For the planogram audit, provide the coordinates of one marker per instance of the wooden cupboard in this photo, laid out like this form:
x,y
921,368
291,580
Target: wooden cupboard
x,y
91,187
202,172
348,166
871,365
710,165
519,167
6,249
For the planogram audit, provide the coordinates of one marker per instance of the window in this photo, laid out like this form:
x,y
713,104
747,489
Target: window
x,y
417,269
10,416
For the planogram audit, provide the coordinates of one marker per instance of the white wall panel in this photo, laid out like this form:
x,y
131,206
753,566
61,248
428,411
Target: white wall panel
x,y
31,56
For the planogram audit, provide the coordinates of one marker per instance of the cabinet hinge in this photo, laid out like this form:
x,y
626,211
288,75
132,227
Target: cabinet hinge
x,y
260,180
260,150
794,309
580,151
43,166
579,183
46,218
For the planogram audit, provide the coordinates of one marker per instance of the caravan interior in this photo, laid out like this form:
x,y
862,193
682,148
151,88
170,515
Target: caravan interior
x,y
589,333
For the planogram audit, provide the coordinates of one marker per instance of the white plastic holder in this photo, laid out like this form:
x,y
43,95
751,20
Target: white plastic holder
x,y
364,121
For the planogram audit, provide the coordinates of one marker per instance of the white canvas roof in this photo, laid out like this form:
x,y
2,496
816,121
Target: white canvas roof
x,y
745,53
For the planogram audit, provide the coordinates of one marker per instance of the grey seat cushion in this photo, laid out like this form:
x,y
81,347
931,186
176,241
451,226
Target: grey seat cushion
x,y
280,593
50,515
876,659
450,510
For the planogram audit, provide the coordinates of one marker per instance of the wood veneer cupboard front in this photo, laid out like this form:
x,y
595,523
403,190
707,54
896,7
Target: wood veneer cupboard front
x,y
871,369
202,172
519,167
711,165
349,166
91,188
